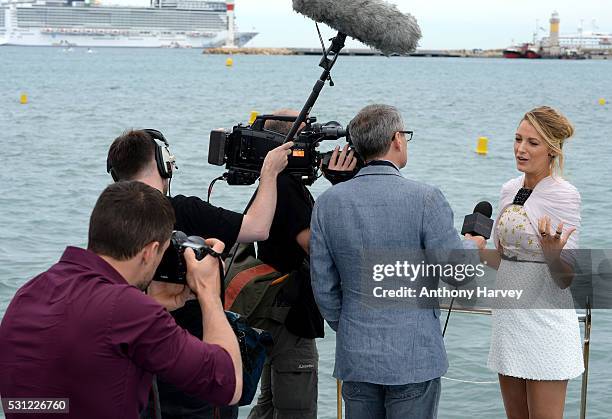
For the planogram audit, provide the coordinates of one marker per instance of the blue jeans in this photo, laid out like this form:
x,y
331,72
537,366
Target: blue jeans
x,y
376,401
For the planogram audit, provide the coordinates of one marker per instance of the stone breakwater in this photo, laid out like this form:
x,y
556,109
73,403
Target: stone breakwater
x,y
353,52
249,51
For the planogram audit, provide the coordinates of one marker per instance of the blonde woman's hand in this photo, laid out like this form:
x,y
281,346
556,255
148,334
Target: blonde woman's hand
x,y
479,241
553,242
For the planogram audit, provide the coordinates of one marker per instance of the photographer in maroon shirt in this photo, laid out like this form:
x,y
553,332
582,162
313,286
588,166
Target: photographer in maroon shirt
x,y
85,331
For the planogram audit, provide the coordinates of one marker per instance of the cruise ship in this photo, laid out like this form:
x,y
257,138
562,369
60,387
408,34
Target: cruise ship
x,y
162,23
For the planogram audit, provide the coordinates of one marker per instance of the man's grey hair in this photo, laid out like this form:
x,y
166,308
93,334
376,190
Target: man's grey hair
x,y
373,128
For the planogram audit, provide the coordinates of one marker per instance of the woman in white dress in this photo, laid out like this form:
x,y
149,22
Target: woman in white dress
x,y
535,344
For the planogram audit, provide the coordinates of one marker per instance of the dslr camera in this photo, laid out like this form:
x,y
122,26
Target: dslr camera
x,y
244,149
173,267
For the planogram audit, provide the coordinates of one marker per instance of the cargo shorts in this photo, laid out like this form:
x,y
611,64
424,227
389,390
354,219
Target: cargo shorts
x,y
289,382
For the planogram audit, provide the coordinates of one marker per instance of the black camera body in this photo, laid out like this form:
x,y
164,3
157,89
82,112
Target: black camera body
x,y
243,150
173,267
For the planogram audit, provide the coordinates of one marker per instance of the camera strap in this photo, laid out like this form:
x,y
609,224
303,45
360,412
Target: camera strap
x,y
210,252
221,278
234,249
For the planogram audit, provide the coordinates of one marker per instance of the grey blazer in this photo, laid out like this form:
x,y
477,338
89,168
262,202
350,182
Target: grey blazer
x,y
378,209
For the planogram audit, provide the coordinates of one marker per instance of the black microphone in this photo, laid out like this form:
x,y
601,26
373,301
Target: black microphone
x,y
374,22
479,223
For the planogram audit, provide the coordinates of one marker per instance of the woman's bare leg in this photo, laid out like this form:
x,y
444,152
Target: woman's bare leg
x,y
514,393
546,399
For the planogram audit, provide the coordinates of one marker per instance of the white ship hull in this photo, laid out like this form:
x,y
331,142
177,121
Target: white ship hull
x,y
36,37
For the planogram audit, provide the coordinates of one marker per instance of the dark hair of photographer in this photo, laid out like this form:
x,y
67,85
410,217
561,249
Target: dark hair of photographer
x,y
131,153
146,216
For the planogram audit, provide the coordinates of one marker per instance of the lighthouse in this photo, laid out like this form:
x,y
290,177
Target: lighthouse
x,y
229,43
553,38
554,29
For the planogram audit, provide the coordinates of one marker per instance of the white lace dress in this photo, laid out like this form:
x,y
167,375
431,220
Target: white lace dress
x,y
535,343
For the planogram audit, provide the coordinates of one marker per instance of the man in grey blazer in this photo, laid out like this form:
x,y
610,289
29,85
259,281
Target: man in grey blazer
x,y
390,358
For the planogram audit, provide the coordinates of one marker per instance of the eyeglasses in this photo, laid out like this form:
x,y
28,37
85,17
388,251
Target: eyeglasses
x,y
407,134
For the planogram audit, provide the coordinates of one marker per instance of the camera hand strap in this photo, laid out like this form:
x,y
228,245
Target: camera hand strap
x,y
234,250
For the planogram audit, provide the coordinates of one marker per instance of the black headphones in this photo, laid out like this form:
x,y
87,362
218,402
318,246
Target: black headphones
x,y
165,160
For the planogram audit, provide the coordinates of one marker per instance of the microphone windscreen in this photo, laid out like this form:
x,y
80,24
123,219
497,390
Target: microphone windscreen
x,y
373,22
484,208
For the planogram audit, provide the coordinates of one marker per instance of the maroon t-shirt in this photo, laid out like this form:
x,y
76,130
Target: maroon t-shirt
x,y
80,331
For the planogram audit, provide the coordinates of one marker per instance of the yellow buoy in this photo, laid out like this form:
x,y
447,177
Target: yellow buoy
x,y
253,116
23,99
483,146
229,62
602,101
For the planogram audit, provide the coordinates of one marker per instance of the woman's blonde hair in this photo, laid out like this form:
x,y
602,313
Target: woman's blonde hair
x,y
554,128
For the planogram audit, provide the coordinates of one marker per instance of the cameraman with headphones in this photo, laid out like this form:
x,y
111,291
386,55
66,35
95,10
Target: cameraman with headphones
x,y
144,155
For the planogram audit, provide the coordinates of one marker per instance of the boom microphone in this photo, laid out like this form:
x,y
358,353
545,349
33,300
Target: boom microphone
x,y
479,223
373,22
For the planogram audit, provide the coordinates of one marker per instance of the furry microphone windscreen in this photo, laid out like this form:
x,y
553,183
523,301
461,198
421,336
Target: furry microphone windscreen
x,y
374,22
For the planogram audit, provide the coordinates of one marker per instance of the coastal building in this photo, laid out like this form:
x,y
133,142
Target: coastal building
x,y
581,42
556,45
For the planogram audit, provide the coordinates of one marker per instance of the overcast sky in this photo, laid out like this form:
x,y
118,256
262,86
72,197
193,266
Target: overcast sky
x,y
446,24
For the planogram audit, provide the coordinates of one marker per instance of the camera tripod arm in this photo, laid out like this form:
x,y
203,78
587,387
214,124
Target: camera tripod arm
x,y
327,63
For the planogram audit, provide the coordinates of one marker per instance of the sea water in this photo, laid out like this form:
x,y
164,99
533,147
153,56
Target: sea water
x,y
53,157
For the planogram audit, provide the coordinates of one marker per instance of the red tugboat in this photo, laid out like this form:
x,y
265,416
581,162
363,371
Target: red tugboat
x,y
526,50
512,52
